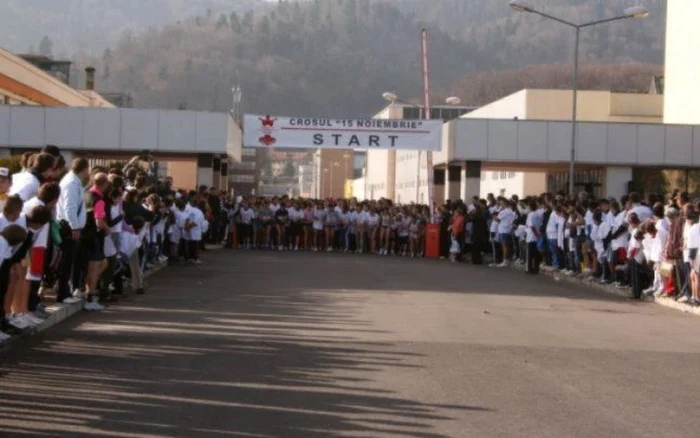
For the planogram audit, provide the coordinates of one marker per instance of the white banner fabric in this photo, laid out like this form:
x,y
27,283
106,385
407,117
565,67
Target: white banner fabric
x,y
314,133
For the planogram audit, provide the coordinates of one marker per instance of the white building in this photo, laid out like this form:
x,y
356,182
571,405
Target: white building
x,y
556,105
306,181
403,175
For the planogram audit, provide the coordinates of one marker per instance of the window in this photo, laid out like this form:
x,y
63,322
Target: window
x,y
242,178
511,175
504,174
494,175
247,165
248,152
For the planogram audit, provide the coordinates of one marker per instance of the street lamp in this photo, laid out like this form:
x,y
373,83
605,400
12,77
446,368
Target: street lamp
x,y
633,12
237,96
325,171
346,157
333,164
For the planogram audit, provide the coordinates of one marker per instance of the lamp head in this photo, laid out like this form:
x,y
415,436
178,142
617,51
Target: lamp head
x,y
390,97
453,100
519,7
637,12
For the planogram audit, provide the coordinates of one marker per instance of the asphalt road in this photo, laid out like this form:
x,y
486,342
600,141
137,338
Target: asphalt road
x,y
314,345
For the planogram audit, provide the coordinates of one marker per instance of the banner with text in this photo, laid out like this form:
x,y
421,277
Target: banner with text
x,y
311,133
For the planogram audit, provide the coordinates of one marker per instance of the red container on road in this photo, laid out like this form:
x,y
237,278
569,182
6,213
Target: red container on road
x,y
432,241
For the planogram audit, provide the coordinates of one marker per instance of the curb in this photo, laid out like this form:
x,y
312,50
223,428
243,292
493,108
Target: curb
x,y
59,312
663,301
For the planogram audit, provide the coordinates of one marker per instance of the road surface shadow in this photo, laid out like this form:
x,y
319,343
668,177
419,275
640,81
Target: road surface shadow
x,y
237,348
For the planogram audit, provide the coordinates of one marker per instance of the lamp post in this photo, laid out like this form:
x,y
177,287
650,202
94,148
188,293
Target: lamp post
x,y
333,164
325,171
633,12
237,97
392,98
346,157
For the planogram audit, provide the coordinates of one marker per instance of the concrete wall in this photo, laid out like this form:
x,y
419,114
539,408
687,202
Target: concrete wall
x,y
377,174
594,106
123,129
616,181
682,69
381,164
512,106
508,183
184,174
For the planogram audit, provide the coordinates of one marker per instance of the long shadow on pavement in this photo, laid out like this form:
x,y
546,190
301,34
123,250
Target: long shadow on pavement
x,y
237,348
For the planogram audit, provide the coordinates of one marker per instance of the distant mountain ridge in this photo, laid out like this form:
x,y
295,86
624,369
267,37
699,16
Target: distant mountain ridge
x,y
328,57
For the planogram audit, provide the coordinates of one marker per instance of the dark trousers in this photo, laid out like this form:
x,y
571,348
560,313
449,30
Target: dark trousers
x,y
533,259
641,278
477,258
69,249
496,249
34,298
4,283
193,249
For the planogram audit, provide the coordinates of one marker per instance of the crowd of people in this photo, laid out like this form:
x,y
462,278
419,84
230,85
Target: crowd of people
x,y
647,246
79,234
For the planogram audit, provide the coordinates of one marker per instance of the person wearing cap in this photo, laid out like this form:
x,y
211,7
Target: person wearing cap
x,y
5,183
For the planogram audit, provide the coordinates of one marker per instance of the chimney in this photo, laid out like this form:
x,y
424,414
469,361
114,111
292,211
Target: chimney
x,y
90,78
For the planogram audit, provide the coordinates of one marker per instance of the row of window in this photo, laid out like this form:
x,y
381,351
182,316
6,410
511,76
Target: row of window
x,y
444,114
248,152
242,178
496,175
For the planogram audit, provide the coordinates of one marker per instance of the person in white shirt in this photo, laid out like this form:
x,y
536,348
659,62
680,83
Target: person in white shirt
x,y
26,184
657,237
195,233
533,225
504,220
639,274
693,247
247,215
553,231
5,183
496,247
318,225
599,234
71,214
634,206
28,264
10,238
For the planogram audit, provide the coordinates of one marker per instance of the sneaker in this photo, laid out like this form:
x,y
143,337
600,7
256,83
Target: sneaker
x,y
296,248
18,322
503,265
684,299
621,286
32,319
94,305
4,337
72,300
658,293
197,262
